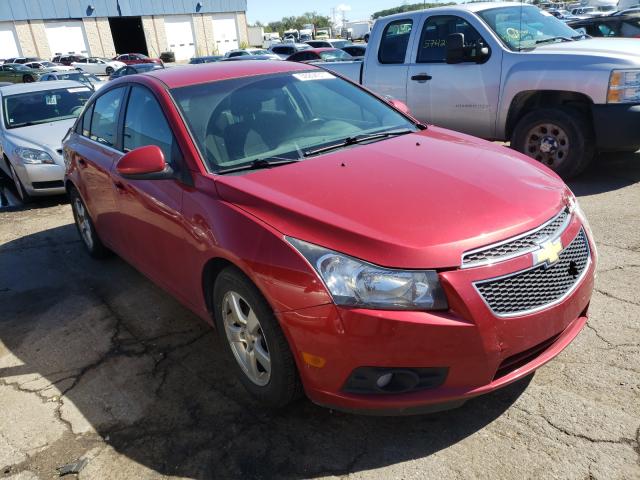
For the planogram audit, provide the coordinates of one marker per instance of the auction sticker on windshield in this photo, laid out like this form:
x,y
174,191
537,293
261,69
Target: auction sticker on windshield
x,y
305,76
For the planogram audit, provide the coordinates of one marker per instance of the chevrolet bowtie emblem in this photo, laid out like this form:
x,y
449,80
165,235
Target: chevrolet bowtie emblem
x,y
549,252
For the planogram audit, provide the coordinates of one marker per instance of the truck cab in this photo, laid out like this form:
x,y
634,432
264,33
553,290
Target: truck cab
x,y
509,72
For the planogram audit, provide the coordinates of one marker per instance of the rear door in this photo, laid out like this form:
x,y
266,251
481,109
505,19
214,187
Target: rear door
x,y
94,152
386,72
151,209
462,96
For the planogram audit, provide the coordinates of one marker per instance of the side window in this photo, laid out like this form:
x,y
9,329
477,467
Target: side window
x,y
104,120
145,124
86,122
394,42
433,41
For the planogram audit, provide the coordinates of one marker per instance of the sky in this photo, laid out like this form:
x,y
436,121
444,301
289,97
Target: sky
x,y
271,10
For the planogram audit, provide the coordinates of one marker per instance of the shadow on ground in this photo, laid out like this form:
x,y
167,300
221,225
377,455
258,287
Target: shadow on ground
x,y
149,378
610,171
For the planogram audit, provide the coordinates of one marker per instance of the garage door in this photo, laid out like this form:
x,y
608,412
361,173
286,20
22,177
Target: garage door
x,y
66,37
8,41
225,33
180,36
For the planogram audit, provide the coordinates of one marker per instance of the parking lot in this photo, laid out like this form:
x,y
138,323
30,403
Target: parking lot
x,y
98,363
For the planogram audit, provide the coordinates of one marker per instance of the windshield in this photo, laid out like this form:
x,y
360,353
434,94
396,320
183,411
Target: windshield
x,y
259,52
341,43
78,77
19,67
45,106
235,122
526,27
331,55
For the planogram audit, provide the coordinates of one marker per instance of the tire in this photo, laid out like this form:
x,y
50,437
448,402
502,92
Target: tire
x,y
560,138
109,71
27,79
22,193
85,227
260,334
366,38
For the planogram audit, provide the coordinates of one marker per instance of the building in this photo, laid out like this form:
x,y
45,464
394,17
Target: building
x,y
104,28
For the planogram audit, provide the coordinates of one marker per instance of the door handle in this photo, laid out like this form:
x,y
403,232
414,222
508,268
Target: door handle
x,y
421,77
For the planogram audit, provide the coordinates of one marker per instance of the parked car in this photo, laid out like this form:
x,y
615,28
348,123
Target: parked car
x,y
91,81
320,55
329,43
136,59
48,66
627,11
67,60
22,60
420,280
98,66
248,57
207,59
251,51
17,73
532,89
133,69
285,50
356,51
610,26
35,118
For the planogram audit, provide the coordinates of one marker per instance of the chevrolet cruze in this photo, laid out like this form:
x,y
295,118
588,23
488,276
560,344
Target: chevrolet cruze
x,y
341,248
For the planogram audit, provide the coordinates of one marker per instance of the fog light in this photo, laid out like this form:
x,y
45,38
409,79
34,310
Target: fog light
x,y
384,380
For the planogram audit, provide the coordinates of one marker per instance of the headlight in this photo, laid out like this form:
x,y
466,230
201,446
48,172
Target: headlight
x,y
33,156
352,282
624,86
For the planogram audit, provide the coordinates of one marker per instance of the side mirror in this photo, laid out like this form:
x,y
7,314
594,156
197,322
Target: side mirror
x,y
144,163
398,105
455,48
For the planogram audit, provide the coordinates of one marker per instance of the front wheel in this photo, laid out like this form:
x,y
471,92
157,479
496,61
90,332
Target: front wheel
x,y
85,226
254,340
27,79
560,138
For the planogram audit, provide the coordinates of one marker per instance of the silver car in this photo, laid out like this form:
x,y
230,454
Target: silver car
x,y
34,118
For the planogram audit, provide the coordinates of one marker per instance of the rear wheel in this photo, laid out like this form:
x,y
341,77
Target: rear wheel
x,y
27,79
109,70
560,138
85,226
254,340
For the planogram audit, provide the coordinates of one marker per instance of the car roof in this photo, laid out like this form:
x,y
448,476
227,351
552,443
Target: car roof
x,y
471,7
320,50
18,88
218,71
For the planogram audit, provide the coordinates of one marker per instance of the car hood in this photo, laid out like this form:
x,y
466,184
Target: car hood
x,y
604,47
416,201
46,136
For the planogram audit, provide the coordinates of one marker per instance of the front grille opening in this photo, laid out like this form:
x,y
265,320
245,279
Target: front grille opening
x,y
518,360
52,184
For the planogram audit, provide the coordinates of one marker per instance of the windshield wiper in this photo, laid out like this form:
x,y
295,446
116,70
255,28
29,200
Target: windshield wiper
x,y
260,163
355,140
582,35
553,39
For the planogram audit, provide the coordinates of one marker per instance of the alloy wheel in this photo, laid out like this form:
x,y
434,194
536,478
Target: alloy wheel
x,y
547,143
84,225
246,338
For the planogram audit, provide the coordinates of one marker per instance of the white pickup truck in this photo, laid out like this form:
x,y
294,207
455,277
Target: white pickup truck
x,y
510,72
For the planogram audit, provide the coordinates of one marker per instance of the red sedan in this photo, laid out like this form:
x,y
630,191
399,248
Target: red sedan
x,y
136,58
340,247
320,55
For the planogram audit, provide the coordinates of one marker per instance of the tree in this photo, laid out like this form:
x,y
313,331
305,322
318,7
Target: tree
x,y
289,23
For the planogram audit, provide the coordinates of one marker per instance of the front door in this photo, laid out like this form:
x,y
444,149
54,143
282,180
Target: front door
x,y
462,96
151,209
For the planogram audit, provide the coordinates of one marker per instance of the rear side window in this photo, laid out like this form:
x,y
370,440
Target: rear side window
x,y
145,124
394,42
433,42
104,120
86,122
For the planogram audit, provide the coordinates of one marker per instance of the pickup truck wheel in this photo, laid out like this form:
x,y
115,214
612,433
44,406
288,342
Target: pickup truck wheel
x,y
558,138
254,340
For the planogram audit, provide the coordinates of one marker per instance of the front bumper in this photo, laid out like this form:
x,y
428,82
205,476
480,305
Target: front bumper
x,y
43,179
617,127
482,352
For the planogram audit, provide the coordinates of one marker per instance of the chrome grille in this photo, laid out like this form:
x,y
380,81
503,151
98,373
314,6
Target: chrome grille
x,y
539,287
519,245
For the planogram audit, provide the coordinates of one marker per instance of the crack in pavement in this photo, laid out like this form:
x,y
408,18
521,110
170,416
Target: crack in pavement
x,y
613,297
610,344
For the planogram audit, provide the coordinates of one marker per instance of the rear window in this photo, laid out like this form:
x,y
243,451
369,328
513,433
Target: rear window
x,y
395,39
